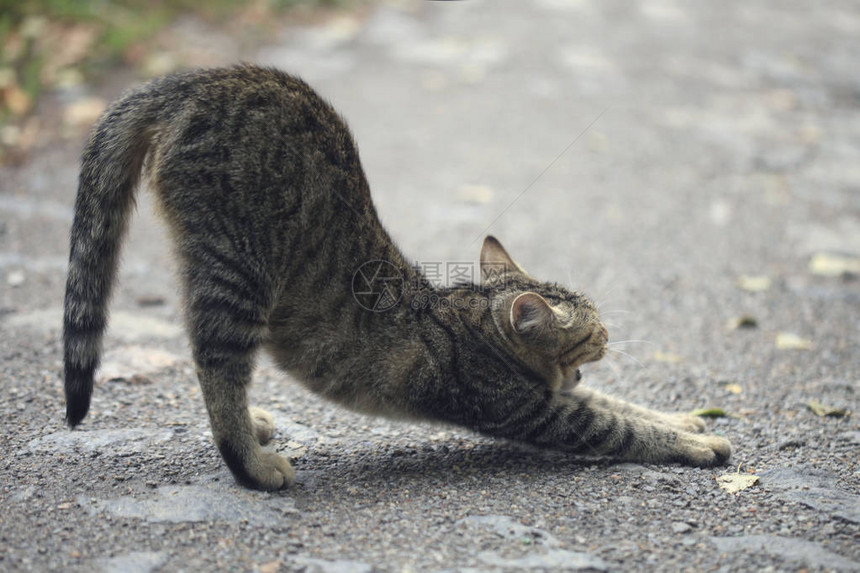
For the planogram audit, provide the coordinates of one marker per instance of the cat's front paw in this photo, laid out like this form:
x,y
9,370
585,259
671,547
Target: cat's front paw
x,y
703,451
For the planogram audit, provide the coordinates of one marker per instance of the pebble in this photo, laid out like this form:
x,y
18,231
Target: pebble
x,y
681,527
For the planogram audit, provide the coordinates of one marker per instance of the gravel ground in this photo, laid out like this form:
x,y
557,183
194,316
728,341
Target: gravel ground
x,y
720,179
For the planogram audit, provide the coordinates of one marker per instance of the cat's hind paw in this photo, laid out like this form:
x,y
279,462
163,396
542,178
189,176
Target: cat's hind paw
x,y
273,472
255,468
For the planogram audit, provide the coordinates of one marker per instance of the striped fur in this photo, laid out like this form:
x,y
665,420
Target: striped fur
x,y
261,186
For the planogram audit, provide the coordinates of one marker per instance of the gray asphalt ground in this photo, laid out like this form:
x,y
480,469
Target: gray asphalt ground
x,y
719,179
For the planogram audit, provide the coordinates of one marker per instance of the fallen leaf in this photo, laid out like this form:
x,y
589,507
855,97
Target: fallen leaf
x,y
17,100
753,283
597,142
821,410
270,567
150,300
743,321
476,194
827,265
733,388
735,482
668,357
84,112
709,413
789,341
296,450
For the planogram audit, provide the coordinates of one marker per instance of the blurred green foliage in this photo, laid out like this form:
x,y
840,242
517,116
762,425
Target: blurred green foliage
x,y
35,37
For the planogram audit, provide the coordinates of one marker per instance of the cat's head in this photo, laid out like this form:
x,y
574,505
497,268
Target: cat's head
x,y
549,328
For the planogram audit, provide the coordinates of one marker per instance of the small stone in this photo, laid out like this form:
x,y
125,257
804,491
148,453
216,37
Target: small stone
x,y
681,527
15,278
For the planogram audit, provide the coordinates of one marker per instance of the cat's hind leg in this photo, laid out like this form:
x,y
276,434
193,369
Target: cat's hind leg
x,y
237,435
227,322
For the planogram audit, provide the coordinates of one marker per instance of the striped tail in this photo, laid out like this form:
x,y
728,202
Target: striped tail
x,y
110,170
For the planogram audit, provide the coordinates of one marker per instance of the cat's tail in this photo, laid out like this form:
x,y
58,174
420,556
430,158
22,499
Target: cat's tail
x,y
110,170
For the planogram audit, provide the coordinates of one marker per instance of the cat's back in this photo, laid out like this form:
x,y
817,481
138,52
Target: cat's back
x,y
249,116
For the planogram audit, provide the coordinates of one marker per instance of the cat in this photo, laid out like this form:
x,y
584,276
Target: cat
x,y
271,218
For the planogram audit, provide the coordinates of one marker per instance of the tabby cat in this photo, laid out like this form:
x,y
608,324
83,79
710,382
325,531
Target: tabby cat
x,y
270,212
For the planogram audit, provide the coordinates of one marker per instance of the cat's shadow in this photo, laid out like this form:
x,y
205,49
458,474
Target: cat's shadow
x,y
425,465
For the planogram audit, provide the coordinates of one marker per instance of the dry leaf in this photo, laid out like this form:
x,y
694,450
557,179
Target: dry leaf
x,y
737,481
295,450
709,413
733,388
789,341
668,357
597,142
84,112
821,410
743,321
827,265
270,567
17,100
754,283
150,300
476,194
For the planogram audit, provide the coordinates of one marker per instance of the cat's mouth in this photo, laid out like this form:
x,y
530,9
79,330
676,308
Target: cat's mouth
x,y
576,376
590,349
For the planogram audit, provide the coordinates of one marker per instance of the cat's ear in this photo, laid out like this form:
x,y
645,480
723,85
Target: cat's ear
x,y
530,312
495,260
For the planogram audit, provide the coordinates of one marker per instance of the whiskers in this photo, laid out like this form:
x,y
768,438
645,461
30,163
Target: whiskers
x,y
613,347
625,354
617,342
